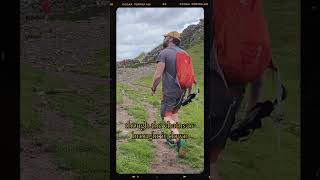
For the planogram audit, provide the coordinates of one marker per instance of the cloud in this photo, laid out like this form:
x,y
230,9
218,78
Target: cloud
x,y
141,29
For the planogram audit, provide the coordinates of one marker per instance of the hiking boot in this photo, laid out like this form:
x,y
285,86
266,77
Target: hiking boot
x,y
182,148
170,142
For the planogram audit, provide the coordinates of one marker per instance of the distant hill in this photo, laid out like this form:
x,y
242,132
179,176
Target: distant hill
x,y
141,57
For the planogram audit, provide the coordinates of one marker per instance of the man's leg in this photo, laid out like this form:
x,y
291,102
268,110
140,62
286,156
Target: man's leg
x,y
181,143
169,118
169,111
175,116
214,155
175,120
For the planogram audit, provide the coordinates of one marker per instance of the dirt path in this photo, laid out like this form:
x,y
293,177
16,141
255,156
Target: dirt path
x,y
122,118
166,160
36,164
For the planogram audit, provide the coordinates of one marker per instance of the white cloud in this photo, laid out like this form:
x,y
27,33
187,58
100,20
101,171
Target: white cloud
x,y
141,29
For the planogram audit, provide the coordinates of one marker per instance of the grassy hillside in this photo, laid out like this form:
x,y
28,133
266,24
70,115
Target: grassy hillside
x,y
87,152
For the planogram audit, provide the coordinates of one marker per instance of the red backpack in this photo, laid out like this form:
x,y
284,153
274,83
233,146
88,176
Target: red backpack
x,y
241,40
184,70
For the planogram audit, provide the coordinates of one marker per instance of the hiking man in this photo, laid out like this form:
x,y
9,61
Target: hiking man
x,y
172,91
240,55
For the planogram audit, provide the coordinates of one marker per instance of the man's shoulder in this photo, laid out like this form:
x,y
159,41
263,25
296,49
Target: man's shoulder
x,y
183,51
179,49
167,51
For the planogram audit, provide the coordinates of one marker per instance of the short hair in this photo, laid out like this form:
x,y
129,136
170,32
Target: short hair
x,y
176,41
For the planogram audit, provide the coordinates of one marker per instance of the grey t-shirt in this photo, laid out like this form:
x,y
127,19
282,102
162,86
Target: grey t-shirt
x,y
170,87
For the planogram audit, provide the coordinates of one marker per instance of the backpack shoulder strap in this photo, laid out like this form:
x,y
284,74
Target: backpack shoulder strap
x,y
174,78
216,66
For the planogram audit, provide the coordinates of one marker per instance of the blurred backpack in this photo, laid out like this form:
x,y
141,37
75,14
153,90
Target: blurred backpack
x,y
241,40
241,54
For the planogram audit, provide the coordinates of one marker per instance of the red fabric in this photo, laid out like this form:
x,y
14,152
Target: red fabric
x,y
184,68
241,39
45,6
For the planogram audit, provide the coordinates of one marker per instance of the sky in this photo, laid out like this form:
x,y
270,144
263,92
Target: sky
x,y
141,29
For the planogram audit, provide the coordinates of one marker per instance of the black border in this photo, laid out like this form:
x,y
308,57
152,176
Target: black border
x,y
207,15
10,88
309,46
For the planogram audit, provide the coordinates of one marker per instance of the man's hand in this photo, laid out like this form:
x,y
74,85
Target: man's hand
x,y
189,91
153,91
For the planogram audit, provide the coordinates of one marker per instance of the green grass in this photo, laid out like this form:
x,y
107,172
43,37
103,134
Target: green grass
x,y
260,158
119,99
145,92
88,154
100,101
135,157
97,66
138,112
131,93
33,83
29,117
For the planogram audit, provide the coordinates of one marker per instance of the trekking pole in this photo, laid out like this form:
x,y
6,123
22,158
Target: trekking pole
x,y
197,96
280,113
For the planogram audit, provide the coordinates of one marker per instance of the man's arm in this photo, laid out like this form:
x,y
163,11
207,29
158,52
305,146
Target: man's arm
x,y
157,76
